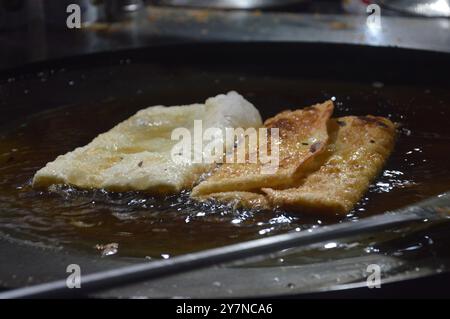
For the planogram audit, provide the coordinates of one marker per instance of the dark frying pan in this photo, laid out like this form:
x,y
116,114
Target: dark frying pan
x,y
409,86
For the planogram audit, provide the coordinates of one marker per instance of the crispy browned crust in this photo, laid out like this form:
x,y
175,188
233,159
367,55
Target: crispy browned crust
x,y
303,136
358,149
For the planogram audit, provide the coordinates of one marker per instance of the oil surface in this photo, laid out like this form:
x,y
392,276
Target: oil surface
x,y
136,224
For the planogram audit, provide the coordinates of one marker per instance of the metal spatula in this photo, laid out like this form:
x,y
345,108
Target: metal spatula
x,y
435,209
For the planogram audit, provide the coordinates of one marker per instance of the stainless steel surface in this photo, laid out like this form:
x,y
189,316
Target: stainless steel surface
x,y
228,4
436,209
91,11
426,8
214,282
162,25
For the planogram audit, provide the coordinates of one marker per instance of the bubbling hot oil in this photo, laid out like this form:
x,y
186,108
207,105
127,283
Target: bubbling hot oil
x,y
139,225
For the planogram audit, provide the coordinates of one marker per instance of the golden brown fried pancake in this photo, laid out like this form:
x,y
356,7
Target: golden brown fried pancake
x,y
302,136
137,153
358,150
